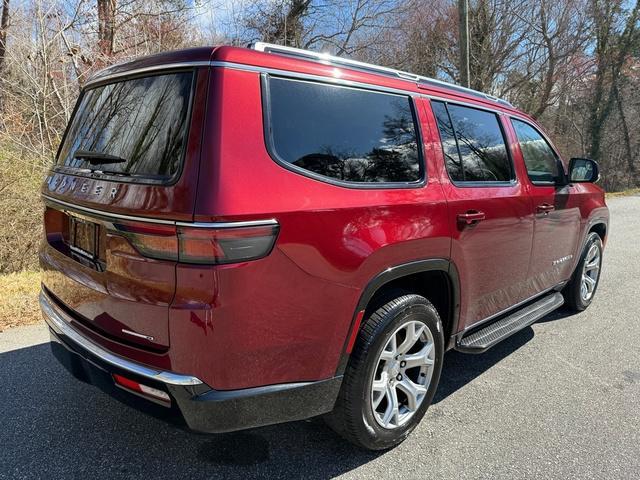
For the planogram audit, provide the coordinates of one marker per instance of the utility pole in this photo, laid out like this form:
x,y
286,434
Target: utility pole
x,y
463,14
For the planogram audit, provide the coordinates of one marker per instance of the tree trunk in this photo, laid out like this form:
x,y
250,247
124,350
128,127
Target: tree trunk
x,y
626,136
4,24
106,26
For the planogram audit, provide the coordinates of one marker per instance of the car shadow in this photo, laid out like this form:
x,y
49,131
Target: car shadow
x,y
56,426
460,369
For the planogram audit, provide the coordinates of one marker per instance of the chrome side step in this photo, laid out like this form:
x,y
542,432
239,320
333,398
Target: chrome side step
x,y
479,341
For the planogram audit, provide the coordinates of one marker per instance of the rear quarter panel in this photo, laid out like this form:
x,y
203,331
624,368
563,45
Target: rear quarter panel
x,y
286,317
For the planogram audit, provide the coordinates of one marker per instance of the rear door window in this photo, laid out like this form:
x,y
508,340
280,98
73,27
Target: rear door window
x,y
133,128
340,133
473,144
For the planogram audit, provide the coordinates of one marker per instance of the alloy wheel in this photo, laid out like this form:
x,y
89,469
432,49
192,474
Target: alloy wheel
x,y
402,375
590,272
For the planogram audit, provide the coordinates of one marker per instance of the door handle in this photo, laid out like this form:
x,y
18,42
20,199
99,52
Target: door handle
x,y
545,208
471,217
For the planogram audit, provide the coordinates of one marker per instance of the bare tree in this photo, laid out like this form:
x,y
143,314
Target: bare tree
x,y
341,26
572,64
422,41
279,22
615,37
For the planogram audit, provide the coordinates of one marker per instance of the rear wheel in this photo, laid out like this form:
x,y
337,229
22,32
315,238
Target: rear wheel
x,y
581,289
392,375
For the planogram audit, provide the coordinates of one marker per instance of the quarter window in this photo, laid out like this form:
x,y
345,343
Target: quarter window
x,y
473,144
342,133
539,157
449,143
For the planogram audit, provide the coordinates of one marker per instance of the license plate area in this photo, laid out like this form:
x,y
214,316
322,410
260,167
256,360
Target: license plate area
x,y
82,236
84,242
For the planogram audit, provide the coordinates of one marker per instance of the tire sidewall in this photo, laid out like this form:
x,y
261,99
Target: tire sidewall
x,y
580,303
421,310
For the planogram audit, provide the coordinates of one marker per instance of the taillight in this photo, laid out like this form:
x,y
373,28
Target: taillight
x,y
225,245
209,246
154,241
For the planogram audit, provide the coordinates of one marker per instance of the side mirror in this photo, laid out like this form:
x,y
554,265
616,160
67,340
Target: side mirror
x,y
583,170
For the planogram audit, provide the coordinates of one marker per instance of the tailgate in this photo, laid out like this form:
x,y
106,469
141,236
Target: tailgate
x,y
129,158
103,282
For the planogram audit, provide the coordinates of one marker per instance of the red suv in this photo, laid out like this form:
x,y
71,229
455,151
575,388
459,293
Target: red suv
x,y
237,237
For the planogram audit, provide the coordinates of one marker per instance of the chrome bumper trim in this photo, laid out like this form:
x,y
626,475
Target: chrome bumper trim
x,y
57,318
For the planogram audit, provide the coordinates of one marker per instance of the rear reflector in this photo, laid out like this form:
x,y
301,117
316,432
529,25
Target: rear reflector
x,y
354,331
209,246
143,390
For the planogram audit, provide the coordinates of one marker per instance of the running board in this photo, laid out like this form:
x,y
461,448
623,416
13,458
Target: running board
x,y
479,341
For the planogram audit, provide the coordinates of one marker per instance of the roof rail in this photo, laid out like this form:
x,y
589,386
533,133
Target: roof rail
x,y
370,68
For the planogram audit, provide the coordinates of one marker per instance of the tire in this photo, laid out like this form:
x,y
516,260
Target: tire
x,y
573,292
357,416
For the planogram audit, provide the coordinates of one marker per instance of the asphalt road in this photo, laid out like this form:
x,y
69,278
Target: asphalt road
x,y
558,400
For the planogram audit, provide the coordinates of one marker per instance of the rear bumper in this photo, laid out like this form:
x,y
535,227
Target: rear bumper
x,y
202,408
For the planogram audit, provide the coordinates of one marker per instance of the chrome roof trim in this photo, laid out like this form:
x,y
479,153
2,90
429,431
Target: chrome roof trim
x,y
312,77
368,86
328,59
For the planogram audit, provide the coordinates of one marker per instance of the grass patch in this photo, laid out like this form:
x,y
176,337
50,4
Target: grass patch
x,y
624,193
19,299
20,210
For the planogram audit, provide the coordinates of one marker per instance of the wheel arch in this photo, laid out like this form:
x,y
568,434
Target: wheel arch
x,y
599,227
403,277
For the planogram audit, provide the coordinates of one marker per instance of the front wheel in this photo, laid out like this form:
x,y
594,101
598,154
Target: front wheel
x,y
392,374
580,290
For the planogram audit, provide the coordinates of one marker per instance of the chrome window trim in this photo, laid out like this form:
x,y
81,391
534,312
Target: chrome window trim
x,y
464,103
58,320
515,181
269,142
117,216
361,85
106,77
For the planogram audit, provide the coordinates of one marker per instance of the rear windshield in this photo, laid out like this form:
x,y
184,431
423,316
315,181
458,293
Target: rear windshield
x,y
134,128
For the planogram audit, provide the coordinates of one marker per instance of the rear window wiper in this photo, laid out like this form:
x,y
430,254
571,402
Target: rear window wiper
x,y
98,157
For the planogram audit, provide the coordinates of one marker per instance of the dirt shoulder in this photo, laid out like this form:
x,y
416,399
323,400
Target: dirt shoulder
x,y
19,299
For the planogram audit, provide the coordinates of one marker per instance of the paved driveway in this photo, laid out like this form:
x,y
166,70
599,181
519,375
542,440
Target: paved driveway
x,y
558,400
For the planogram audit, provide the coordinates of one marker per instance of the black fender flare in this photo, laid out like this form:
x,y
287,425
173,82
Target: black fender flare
x,y
443,265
